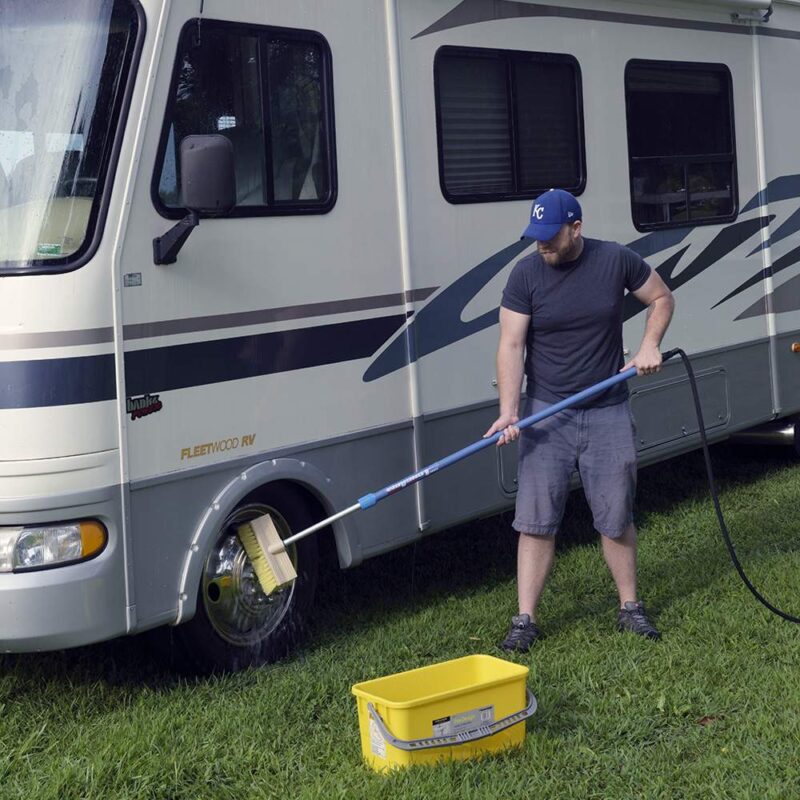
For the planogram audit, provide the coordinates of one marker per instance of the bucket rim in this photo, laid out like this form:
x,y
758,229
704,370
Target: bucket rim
x,y
514,672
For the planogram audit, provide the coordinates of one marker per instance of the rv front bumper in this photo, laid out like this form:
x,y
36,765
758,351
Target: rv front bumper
x,y
70,605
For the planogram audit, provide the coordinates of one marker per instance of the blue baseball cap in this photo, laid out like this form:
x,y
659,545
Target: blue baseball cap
x,y
549,212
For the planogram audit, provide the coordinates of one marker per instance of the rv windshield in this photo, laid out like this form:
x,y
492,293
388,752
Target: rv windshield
x,y
63,71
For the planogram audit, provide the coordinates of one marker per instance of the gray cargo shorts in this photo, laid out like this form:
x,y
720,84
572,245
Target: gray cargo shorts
x,y
599,442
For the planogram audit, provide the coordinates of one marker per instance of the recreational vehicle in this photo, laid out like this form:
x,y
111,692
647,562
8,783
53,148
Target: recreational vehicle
x,y
252,252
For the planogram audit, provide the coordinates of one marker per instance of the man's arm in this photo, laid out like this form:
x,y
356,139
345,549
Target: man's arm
x,y
655,294
510,365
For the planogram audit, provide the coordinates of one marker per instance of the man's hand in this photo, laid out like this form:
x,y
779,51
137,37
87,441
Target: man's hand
x,y
508,424
647,361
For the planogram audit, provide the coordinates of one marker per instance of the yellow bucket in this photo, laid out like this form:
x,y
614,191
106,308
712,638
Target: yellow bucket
x,y
454,710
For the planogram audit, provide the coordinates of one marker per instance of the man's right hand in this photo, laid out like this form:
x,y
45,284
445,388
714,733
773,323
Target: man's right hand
x,y
507,423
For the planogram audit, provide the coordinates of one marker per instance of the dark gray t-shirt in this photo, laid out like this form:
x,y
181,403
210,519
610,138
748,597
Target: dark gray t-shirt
x,y
575,334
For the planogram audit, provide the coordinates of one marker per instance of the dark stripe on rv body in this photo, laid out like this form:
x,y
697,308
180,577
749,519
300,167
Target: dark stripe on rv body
x,y
470,12
183,366
657,241
88,336
727,240
782,300
784,262
57,382
785,187
242,319
91,379
439,323
44,339
789,227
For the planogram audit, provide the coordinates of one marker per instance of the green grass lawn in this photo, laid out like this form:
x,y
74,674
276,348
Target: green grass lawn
x,y
711,711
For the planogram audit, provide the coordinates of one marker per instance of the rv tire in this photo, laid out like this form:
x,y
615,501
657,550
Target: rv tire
x,y
236,625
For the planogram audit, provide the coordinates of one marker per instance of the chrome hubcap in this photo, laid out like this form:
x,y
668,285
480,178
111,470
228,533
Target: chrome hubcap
x,y
235,604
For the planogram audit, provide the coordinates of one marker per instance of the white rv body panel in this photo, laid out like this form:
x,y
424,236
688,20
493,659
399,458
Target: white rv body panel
x,y
39,312
778,58
275,264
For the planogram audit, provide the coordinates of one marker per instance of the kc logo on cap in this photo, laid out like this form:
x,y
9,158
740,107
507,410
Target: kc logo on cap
x,y
549,212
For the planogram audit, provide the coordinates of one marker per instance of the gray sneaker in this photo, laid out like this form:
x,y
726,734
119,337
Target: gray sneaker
x,y
522,634
632,617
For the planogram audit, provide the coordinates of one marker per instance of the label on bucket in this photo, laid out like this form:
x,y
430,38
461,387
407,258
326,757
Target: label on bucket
x,y
465,721
376,740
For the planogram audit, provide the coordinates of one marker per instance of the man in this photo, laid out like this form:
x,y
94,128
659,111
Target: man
x,y
561,317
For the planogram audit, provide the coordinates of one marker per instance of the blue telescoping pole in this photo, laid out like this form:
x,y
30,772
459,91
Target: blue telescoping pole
x,y
369,500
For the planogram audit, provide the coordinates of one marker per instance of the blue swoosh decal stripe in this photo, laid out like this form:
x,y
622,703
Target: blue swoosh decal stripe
x,y
470,12
727,240
439,323
784,262
784,188
659,240
784,298
790,226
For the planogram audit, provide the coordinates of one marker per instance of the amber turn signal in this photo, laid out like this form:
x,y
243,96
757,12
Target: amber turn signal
x,y
93,538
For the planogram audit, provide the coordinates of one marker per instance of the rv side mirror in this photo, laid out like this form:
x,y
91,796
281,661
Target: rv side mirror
x,y
208,182
208,186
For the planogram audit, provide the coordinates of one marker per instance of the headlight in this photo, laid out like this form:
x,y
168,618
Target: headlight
x,y
36,547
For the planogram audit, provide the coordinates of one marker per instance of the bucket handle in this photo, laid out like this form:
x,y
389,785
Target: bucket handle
x,y
457,738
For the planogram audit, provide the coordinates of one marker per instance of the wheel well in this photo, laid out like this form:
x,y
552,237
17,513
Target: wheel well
x,y
213,636
329,554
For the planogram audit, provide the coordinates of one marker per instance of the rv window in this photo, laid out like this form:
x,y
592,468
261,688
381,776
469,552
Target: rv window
x,y
680,143
509,124
266,90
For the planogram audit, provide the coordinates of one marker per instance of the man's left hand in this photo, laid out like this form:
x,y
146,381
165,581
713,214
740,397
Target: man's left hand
x,y
647,361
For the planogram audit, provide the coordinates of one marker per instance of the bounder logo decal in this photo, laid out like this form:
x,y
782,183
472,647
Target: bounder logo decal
x,y
143,405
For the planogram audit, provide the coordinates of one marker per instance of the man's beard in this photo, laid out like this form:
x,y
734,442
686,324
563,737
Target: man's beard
x,y
555,257
551,258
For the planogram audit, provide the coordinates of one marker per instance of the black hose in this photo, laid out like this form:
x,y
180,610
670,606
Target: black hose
x,y
712,488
